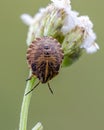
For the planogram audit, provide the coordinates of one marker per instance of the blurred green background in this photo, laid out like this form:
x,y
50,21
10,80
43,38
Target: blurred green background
x,y
78,100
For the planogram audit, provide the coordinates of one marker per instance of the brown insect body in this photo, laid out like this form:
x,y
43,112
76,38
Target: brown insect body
x,y
44,57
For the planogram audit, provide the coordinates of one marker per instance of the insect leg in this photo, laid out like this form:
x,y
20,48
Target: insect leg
x,y
32,88
29,78
50,88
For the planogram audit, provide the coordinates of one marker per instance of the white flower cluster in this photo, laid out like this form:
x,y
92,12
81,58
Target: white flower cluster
x,y
71,20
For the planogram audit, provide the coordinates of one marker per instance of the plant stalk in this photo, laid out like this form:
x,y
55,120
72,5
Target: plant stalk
x,y
25,105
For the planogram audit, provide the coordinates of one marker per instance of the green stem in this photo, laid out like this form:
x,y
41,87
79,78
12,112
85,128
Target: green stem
x,y
25,105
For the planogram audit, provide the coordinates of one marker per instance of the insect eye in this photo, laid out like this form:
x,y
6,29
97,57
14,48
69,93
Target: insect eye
x,y
46,47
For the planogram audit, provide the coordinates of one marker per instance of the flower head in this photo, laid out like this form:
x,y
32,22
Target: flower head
x,y
58,20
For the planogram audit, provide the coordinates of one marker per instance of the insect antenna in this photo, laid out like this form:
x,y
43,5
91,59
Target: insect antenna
x,y
32,88
50,88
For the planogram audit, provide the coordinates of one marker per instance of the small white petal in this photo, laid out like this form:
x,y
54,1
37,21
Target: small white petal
x,y
27,19
89,40
93,48
85,22
39,14
70,21
38,126
89,43
65,4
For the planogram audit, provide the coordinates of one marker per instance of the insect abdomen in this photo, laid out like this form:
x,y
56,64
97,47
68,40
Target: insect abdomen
x,y
44,57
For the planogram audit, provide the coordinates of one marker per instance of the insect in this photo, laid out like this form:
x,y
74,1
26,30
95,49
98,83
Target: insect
x,y
44,57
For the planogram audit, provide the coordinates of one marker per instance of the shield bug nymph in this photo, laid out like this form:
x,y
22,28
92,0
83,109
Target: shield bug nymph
x,y
44,57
